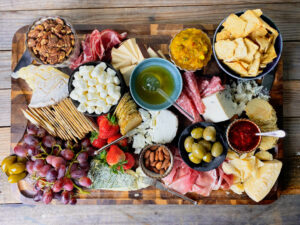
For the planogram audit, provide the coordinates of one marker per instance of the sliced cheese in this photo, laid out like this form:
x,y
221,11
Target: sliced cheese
x,y
127,71
152,53
258,187
219,107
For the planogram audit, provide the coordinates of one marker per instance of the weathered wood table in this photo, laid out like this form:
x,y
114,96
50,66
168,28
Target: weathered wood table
x,y
286,15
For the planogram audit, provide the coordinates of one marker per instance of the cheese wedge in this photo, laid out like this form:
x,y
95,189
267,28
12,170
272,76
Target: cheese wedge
x,y
258,187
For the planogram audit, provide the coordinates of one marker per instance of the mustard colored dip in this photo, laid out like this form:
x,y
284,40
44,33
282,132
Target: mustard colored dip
x,y
190,49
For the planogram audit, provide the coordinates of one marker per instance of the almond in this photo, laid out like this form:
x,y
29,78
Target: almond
x,y
156,155
166,153
165,163
160,156
151,157
155,170
147,154
158,165
153,148
147,162
162,171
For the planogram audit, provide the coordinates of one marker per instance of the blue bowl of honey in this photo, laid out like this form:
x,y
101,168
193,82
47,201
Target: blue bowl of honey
x,y
155,84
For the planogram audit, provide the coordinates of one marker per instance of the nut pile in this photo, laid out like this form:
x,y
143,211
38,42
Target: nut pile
x,y
157,159
52,41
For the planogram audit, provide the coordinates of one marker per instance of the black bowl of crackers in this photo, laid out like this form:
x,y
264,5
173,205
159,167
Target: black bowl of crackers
x,y
247,45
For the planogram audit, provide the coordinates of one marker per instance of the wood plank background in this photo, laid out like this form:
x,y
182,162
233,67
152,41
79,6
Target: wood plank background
x,y
286,14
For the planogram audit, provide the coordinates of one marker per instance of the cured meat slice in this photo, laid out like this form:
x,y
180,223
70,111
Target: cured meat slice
x,y
214,86
190,82
97,46
186,103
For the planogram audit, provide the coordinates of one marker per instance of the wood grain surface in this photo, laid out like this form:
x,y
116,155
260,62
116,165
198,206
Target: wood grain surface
x,y
17,13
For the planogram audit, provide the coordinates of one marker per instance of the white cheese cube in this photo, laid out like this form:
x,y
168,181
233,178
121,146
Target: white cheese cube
x,y
92,90
106,108
103,93
115,101
82,99
81,108
110,88
102,65
102,78
91,109
77,76
110,72
92,82
74,95
76,83
100,103
109,100
219,107
91,96
116,80
98,110
86,70
118,88
109,79
82,85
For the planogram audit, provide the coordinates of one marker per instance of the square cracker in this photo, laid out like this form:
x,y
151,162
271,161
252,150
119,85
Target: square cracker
x,y
264,43
252,48
253,22
254,66
223,35
269,55
235,25
225,49
259,32
238,68
241,49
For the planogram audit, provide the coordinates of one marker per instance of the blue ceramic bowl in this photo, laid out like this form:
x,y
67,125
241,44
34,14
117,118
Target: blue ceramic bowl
x,y
166,65
278,48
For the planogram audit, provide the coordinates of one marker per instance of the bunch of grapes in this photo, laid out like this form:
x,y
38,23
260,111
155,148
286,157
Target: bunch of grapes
x,y
58,168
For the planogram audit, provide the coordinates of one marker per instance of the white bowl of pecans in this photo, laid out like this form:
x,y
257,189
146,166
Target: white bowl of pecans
x,y
156,161
52,41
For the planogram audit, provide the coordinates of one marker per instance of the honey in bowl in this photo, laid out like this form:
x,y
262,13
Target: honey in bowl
x,y
241,136
151,79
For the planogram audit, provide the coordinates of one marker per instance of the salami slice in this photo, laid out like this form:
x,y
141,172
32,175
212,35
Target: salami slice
x,y
214,86
190,82
186,103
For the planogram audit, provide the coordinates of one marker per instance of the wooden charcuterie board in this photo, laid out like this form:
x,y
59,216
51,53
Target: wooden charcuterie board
x,y
157,36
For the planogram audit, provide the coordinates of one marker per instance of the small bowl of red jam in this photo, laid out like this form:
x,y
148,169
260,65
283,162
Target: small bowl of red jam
x,y
241,136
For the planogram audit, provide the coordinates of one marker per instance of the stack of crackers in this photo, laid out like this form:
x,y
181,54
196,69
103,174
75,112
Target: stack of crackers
x,y
246,43
62,120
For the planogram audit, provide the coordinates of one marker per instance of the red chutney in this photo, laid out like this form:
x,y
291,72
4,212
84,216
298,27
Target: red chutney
x,y
242,136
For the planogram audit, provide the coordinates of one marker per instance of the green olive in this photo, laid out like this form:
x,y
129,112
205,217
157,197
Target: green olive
x,y
198,150
209,133
188,143
7,162
16,168
207,158
194,159
21,159
16,177
206,144
216,149
197,132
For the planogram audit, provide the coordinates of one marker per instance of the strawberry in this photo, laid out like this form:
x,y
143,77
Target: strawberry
x,y
122,143
115,155
130,161
96,141
99,118
108,126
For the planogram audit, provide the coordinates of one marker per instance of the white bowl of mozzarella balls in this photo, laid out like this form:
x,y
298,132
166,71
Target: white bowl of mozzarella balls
x,y
95,88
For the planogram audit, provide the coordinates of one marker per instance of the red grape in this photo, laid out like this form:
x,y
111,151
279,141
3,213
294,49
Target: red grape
x,y
41,132
58,185
31,150
47,196
85,181
73,201
40,184
51,175
84,165
29,167
38,164
67,154
32,129
44,170
68,144
65,197
85,142
78,173
82,157
49,159
57,162
20,150
49,141
61,171
90,150
68,184
74,167
30,139
38,196
57,195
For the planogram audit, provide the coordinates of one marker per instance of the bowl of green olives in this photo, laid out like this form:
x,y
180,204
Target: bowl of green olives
x,y
203,146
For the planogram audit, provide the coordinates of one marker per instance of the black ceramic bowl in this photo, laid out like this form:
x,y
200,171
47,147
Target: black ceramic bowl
x,y
122,84
203,166
278,48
